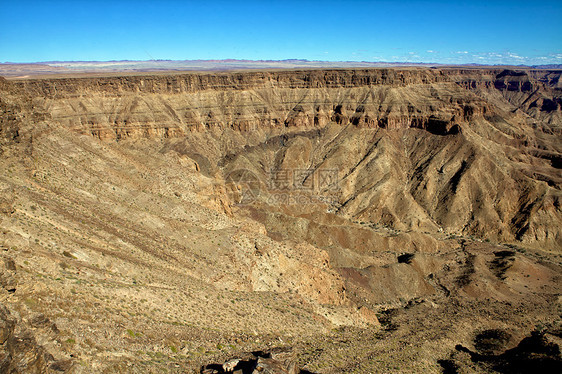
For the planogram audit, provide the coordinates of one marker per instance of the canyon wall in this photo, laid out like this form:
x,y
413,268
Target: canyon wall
x,y
487,161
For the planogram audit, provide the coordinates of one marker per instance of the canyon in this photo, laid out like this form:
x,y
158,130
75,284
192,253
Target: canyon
x,y
366,220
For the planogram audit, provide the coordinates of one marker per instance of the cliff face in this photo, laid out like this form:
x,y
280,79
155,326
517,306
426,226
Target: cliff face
x,y
189,83
169,106
537,93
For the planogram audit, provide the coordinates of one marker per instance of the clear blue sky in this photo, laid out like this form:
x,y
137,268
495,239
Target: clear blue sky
x,y
514,32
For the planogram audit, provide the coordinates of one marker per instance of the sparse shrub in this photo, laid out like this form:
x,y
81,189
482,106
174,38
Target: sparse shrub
x,y
68,254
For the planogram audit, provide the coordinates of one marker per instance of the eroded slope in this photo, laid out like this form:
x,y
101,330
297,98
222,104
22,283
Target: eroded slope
x,y
172,221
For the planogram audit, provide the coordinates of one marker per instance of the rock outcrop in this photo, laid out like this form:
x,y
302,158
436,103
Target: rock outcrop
x,y
20,352
272,361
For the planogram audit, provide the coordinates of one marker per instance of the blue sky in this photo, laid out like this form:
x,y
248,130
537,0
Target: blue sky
x,y
493,32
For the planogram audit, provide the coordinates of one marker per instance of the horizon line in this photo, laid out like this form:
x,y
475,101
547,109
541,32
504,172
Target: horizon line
x,y
272,60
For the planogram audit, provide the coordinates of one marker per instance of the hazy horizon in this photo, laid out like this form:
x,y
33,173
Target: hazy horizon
x,y
288,60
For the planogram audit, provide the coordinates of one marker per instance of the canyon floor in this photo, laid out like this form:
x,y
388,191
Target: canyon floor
x,y
327,221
